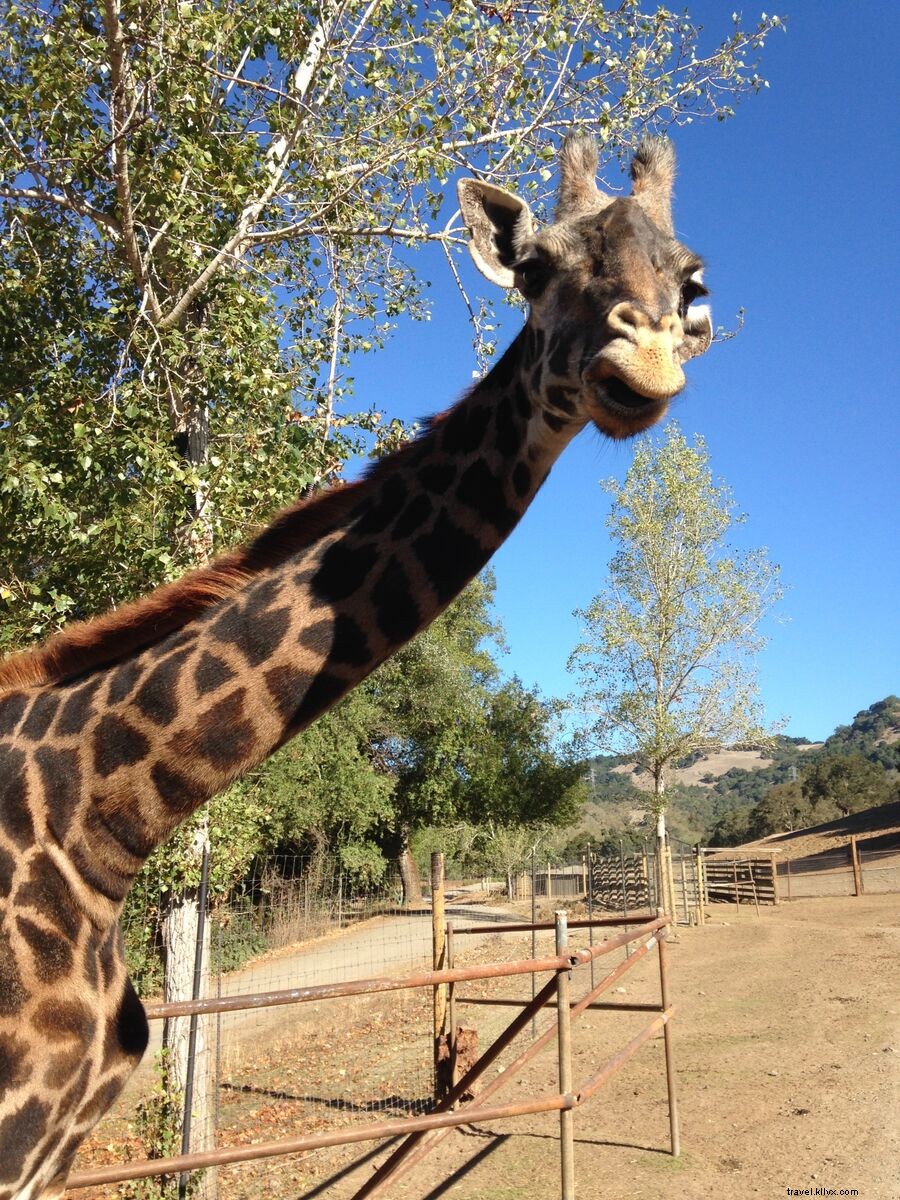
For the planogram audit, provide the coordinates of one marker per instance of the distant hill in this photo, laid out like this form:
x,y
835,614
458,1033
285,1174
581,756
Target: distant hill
x,y
877,830
706,789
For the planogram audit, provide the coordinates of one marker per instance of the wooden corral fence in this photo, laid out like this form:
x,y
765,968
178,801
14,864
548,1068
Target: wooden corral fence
x,y
623,882
732,878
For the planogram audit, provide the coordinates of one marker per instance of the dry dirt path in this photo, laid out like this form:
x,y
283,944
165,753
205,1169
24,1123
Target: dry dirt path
x,y
788,1056
387,945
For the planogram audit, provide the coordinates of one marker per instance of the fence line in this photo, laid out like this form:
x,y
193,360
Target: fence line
x,y
561,964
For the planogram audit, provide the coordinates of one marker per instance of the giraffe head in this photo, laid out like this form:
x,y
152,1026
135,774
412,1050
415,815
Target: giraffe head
x,y
610,288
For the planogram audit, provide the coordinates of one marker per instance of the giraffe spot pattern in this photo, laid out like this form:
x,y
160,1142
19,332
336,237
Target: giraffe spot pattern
x,y
437,477
123,681
46,890
15,815
413,517
40,716
343,570
117,744
507,433
100,1101
561,398
265,633
14,1061
52,953
76,1090
464,429
324,690
502,374
264,592
521,478
558,359
7,870
523,404
450,557
230,626
60,1069
156,698
175,640
554,422
99,875
211,673
317,636
20,1132
64,1020
11,709
110,955
12,993
90,972
174,790
379,515
350,645
126,829
77,708
61,779
534,343
396,612
482,491
287,686
221,735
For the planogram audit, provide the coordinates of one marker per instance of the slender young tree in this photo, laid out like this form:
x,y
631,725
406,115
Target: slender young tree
x,y
667,665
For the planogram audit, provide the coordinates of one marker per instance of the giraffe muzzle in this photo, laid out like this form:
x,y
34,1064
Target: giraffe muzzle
x,y
642,354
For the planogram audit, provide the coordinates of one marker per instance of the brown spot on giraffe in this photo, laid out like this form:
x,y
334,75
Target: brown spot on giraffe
x,y
118,728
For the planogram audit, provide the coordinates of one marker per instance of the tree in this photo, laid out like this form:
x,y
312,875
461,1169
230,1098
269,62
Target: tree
x,y
666,669
519,776
432,707
840,784
210,208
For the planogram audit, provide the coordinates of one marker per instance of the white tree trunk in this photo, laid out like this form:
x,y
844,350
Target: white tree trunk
x,y
180,938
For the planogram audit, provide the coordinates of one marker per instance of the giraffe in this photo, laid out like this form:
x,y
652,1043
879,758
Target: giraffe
x,y
118,728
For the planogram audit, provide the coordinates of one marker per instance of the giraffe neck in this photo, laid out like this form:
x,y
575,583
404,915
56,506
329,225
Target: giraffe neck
x,y
137,746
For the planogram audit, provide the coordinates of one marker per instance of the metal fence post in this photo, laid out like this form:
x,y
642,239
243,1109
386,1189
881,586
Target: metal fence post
x,y
590,902
438,932
667,1041
564,1041
450,960
533,935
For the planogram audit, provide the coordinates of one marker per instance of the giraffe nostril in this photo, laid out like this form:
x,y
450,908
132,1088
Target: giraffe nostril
x,y
626,319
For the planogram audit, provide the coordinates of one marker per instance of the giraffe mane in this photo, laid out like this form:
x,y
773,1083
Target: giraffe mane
x,y
100,641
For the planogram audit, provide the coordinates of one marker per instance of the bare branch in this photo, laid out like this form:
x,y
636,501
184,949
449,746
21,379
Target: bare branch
x,y
72,203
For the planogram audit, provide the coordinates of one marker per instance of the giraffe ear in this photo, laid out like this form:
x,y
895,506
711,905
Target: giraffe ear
x,y
652,174
501,227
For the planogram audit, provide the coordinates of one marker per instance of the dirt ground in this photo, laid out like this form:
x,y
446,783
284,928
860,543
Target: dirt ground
x,y
788,1059
787,1049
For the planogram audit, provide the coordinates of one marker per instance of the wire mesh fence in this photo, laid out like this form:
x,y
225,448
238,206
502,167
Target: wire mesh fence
x,y
295,922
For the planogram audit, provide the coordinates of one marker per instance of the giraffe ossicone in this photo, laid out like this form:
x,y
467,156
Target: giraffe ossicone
x,y
119,728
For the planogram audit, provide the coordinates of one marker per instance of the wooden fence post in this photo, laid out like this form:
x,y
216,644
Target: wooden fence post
x,y
857,872
698,875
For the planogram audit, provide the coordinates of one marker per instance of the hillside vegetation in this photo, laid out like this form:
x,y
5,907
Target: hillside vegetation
x,y
734,796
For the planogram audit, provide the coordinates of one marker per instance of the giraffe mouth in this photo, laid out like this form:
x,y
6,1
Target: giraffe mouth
x,y
616,393
620,411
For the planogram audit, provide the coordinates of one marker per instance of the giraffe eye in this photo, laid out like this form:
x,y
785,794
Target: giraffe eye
x,y
691,290
532,276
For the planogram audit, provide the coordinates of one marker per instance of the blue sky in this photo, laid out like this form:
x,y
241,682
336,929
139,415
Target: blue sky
x,y
793,203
